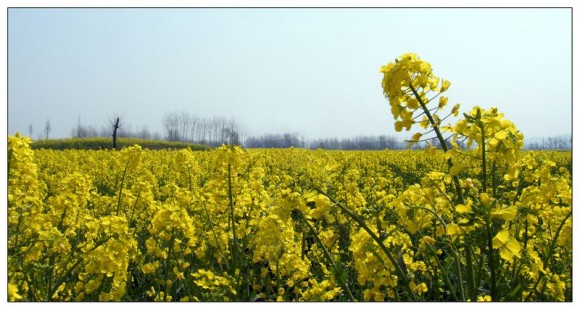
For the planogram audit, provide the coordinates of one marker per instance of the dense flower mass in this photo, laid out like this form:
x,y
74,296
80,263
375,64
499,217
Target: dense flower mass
x,y
475,221
142,225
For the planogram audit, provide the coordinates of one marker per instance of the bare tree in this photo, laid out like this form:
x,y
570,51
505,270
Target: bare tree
x,y
79,131
30,130
187,127
211,131
193,120
116,126
47,128
222,125
219,126
144,133
91,131
232,134
184,124
202,130
115,122
170,122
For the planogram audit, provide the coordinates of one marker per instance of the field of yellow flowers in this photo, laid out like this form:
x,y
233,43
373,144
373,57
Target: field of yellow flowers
x,y
485,223
232,224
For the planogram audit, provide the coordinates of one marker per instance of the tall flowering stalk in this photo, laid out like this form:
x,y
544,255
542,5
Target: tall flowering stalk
x,y
407,84
477,205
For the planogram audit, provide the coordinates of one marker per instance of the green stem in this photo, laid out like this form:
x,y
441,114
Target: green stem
x,y
400,273
303,246
69,271
460,278
433,213
435,270
441,141
445,274
134,206
189,176
517,277
121,189
472,292
491,259
278,275
15,242
50,274
328,256
167,265
231,200
217,241
488,227
493,179
431,120
61,280
547,257
483,159
179,266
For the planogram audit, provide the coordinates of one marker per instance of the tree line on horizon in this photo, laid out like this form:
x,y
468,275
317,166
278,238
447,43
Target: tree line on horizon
x,y
218,130
553,142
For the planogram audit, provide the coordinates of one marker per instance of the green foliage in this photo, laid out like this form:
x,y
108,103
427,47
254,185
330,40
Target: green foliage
x,y
98,143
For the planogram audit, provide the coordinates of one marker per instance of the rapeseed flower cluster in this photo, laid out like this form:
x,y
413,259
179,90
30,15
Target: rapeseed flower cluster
x,y
491,213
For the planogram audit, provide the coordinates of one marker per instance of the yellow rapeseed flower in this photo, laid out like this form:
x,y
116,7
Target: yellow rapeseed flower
x,y
445,85
13,292
508,246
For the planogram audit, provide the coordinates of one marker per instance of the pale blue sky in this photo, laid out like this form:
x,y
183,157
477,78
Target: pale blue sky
x,y
311,71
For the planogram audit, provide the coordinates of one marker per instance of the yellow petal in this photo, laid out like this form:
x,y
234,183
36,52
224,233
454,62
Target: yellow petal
x,y
398,126
454,229
412,226
455,110
443,101
428,240
417,137
455,169
500,135
514,247
462,209
500,239
512,174
506,254
509,213
484,198
413,104
13,292
445,85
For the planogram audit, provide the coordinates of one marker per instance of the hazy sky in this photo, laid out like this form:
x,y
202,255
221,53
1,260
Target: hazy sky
x,y
310,71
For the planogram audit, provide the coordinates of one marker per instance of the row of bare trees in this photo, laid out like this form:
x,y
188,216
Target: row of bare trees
x,y
44,134
287,140
178,126
106,130
215,131
186,127
554,142
362,142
